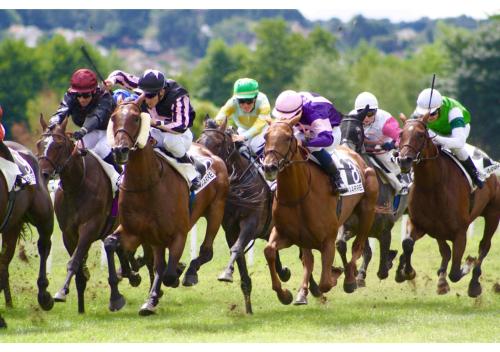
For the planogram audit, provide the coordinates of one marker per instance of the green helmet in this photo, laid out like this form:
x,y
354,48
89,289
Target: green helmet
x,y
246,88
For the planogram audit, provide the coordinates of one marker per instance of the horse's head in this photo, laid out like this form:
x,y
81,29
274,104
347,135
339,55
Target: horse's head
x,y
353,134
127,130
280,146
54,148
413,141
217,139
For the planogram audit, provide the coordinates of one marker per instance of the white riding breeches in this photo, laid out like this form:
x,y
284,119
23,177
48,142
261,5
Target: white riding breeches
x,y
176,143
255,143
390,164
97,142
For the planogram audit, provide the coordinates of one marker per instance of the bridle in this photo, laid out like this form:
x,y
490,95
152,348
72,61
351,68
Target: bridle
x,y
133,139
359,145
418,150
226,143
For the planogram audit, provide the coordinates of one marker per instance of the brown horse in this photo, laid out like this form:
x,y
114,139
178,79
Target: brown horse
x,y
154,202
82,204
441,205
32,205
305,209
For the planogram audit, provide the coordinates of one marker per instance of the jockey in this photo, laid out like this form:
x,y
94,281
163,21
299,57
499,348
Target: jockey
x,y
318,127
170,108
249,110
90,108
449,126
380,128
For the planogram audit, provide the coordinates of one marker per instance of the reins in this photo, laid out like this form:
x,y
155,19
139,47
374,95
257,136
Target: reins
x,y
418,151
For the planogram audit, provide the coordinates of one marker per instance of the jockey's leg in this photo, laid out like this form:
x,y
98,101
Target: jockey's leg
x,y
394,170
469,166
331,169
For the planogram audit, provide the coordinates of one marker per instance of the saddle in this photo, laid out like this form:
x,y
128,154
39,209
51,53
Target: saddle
x,y
18,173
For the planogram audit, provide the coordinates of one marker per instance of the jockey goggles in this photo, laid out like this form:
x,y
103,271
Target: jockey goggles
x,y
370,113
150,95
246,101
83,95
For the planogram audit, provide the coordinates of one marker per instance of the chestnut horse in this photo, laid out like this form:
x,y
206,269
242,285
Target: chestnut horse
x,y
30,204
385,216
305,209
154,202
441,205
82,204
248,206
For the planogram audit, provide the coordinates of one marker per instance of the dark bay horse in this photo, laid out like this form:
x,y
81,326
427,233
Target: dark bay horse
x,y
385,217
247,215
154,202
82,204
31,204
305,209
441,205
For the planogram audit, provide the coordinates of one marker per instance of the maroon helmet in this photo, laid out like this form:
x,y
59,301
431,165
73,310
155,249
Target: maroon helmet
x,y
83,81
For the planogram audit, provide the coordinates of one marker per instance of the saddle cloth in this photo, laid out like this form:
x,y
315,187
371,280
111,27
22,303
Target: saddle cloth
x,y
349,171
188,171
484,164
109,170
10,170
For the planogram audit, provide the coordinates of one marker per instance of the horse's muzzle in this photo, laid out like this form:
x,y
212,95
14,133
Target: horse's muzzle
x,y
121,154
270,171
405,163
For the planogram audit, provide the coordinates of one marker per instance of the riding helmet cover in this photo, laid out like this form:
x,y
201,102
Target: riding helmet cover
x,y
288,104
152,81
428,101
83,81
246,88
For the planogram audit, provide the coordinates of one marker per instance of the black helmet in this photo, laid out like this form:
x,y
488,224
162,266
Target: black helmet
x,y
152,81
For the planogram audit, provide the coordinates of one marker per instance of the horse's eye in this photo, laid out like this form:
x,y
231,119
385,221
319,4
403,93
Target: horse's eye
x,y
137,119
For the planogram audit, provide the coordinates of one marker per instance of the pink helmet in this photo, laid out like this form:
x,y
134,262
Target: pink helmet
x,y
288,104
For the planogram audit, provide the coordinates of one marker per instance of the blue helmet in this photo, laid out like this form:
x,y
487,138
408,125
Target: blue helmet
x,y
124,95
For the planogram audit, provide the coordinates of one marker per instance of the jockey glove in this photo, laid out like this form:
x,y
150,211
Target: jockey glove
x,y
80,133
389,145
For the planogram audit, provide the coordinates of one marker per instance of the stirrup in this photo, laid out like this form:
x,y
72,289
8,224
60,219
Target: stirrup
x,y
339,186
195,184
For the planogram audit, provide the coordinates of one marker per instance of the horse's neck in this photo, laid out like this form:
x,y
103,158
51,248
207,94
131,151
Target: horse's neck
x,y
293,181
431,171
238,163
73,173
141,167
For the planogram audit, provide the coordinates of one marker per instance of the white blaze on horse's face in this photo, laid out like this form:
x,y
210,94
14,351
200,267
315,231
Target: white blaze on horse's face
x,y
46,142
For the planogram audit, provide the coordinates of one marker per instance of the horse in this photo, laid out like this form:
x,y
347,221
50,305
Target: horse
x,y
248,213
307,213
385,217
154,201
442,206
83,204
31,204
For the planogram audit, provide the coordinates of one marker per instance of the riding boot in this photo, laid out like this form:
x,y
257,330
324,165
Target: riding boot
x,y
111,161
196,182
473,172
331,169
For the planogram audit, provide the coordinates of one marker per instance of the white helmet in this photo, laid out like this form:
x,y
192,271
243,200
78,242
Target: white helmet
x,y
288,105
364,99
424,101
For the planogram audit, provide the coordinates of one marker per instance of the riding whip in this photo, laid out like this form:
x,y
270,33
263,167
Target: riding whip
x,y
89,59
432,90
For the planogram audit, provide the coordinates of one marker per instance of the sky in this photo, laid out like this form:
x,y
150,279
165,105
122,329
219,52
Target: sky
x,y
395,10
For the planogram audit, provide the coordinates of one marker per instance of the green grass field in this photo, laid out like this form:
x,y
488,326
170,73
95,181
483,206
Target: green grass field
x,y
212,311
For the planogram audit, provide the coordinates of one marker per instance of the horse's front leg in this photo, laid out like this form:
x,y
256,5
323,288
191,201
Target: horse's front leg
x,y
328,278
308,265
44,245
150,305
367,257
116,299
405,271
8,248
274,244
341,245
445,251
171,276
456,271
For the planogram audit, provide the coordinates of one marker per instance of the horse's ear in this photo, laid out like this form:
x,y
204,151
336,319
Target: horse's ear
x,y
403,118
294,120
223,125
119,100
140,99
64,124
362,114
43,123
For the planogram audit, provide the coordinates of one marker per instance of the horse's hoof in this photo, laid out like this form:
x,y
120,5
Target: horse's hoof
x,y
301,298
117,304
382,275
314,289
190,280
147,309
60,297
475,290
3,324
134,279
361,282
411,275
226,276
45,301
286,298
171,281
399,277
284,274
350,287
443,288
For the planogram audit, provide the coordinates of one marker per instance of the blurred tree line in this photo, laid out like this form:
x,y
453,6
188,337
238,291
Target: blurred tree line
x,y
465,61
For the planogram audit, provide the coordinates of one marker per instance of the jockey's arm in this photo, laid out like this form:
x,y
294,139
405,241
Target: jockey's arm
x,y
458,131
180,115
225,112
122,78
322,132
62,112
